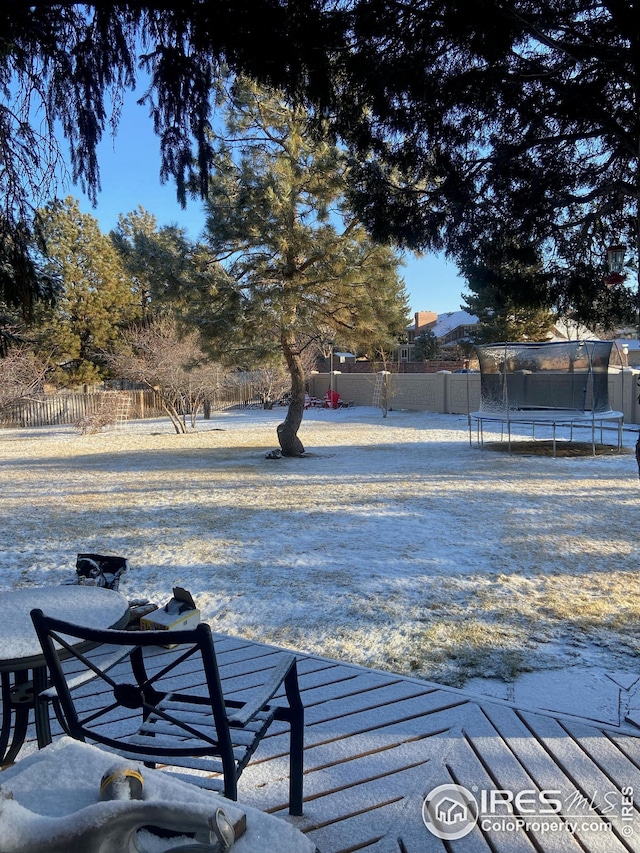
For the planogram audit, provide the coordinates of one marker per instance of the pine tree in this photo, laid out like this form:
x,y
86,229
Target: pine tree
x,y
501,118
503,276
97,298
163,263
297,263
64,69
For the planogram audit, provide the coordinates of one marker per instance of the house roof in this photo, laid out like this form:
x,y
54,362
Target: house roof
x,y
563,330
449,321
452,320
569,330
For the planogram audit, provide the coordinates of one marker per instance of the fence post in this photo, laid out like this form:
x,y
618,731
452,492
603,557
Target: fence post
x,y
442,391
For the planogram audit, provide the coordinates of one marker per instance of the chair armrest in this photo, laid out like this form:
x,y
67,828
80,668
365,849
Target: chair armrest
x,y
87,675
255,703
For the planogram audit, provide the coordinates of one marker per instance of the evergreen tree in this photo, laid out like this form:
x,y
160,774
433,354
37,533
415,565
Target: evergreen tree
x,y
65,67
425,346
502,118
503,276
500,320
163,263
97,299
297,262
135,240
463,120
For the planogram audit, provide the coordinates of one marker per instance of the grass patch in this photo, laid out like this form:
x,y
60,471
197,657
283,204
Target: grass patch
x,y
517,624
464,650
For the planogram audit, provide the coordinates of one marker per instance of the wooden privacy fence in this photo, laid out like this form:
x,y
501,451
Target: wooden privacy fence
x,y
70,408
64,407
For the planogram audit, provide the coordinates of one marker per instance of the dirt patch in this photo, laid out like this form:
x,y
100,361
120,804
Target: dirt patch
x,y
563,449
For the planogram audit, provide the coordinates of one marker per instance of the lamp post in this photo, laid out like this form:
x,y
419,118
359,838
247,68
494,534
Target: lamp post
x,y
331,379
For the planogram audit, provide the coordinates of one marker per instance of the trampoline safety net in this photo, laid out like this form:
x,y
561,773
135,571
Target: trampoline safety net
x,y
571,376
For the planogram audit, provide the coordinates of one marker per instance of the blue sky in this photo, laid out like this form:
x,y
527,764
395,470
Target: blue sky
x,y
129,171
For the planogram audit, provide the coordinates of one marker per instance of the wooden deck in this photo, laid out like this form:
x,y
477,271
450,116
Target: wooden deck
x,y
376,744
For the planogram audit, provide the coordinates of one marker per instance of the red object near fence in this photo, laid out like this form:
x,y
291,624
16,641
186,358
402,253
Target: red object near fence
x,y
331,399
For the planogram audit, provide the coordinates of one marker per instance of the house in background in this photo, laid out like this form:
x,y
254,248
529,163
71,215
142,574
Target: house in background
x,y
335,361
453,328
456,327
449,329
629,348
569,330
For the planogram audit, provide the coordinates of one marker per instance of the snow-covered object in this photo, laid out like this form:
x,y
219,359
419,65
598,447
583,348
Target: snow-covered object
x,y
49,802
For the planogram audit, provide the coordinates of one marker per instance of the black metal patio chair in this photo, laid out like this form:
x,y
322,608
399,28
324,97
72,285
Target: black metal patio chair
x,y
139,709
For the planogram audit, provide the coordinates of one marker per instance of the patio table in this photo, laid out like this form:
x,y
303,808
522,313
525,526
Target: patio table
x,y
51,803
23,672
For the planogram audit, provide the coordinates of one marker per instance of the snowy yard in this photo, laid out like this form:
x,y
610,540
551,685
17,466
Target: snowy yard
x,y
395,544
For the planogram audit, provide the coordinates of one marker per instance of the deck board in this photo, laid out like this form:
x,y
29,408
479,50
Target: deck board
x,y
376,743
506,772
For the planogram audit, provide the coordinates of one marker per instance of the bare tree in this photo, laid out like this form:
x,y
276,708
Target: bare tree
x,y
111,411
22,376
269,383
173,365
272,382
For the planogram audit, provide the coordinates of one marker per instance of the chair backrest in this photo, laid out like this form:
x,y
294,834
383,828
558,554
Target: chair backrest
x,y
120,686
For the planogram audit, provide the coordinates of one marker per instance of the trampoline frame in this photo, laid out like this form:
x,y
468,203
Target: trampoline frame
x,y
547,417
542,415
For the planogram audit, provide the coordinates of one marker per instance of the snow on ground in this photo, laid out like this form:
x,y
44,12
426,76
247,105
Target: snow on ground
x,y
396,543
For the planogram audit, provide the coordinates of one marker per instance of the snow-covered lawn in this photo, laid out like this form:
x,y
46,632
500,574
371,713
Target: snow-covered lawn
x,y
395,544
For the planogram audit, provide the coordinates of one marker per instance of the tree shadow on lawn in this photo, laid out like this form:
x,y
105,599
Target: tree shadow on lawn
x,y
150,459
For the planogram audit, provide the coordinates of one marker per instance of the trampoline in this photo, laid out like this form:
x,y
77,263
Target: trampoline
x,y
546,384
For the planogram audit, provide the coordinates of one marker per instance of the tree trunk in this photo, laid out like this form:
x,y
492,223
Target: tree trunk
x,y
290,444
174,417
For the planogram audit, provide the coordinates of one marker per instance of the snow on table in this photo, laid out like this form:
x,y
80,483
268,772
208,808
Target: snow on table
x,y
49,795
84,605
